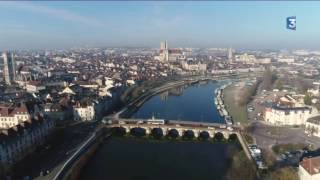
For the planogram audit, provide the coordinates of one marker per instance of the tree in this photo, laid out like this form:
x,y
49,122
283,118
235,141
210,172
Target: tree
x,y
286,173
307,99
267,79
308,129
268,157
279,84
241,167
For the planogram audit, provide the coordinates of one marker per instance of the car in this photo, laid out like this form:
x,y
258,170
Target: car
x,y
251,109
283,156
253,146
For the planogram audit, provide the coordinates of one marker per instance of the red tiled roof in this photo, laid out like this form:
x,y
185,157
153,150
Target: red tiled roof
x,y
11,111
34,83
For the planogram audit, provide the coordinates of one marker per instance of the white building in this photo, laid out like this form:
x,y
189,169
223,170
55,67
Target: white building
x,y
313,126
130,82
83,112
309,169
264,60
278,115
13,115
245,58
193,66
286,60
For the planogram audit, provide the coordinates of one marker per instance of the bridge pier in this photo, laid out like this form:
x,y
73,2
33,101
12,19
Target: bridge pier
x,y
196,133
226,135
164,131
211,133
127,129
180,132
148,131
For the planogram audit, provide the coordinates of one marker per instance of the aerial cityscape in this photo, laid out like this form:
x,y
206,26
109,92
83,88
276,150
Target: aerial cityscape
x,y
159,90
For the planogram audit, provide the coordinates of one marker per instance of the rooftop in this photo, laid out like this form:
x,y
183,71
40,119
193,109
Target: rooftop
x,y
311,165
314,120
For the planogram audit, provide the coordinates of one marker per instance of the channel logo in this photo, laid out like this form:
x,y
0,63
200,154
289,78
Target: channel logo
x,y
291,23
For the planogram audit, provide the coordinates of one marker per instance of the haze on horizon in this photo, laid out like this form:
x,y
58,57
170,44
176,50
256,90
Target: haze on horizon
x,y
252,25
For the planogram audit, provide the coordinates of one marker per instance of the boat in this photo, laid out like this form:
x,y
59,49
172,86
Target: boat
x,y
228,120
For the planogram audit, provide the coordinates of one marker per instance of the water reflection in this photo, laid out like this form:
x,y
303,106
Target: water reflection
x,y
194,103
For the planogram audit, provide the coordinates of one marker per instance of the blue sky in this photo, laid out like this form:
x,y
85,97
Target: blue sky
x,y
247,24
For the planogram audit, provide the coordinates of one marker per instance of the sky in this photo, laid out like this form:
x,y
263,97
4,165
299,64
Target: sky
x,y
244,24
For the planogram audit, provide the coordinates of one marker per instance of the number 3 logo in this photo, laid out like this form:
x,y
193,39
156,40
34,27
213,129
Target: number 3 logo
x,y
291,23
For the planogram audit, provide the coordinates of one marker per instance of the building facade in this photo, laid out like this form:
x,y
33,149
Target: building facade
x,y
193,66
11,116
277,115
245,58
18,141
83,112
313,126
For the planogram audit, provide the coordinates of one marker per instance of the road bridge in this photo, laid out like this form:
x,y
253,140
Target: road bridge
x,y
181,128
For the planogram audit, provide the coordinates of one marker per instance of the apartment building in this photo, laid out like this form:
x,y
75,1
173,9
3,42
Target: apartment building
x,y
18,141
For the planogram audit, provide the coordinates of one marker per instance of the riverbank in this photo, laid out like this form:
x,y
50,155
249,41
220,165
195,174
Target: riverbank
x,y
232,99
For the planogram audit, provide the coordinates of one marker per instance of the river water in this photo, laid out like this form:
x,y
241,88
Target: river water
x,y
144,159
193,103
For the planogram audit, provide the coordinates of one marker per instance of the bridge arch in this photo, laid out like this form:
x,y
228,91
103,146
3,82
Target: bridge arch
x,y
138,131
204,135
173,133
157,132
219,136
233,137
119,131
188,134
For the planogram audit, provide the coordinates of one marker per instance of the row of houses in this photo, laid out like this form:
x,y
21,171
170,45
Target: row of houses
x,y
18,141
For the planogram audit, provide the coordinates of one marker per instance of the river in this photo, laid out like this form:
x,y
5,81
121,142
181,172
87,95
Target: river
x,y
193,103
144,159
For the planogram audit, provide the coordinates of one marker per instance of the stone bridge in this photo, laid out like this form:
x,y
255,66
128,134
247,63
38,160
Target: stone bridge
x,y
180,127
